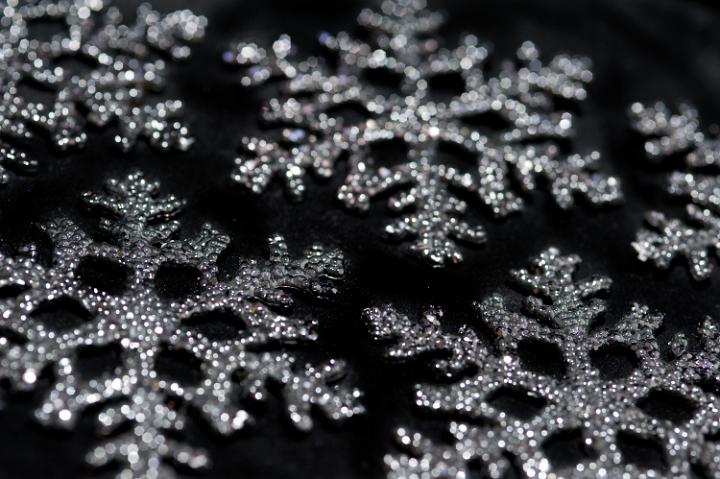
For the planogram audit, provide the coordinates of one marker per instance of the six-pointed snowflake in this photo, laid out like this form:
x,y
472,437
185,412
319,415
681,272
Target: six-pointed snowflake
x,y
668,238
404,41
605,408
134,316
126,67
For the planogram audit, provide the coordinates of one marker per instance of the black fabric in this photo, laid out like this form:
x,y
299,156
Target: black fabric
x,y
641,50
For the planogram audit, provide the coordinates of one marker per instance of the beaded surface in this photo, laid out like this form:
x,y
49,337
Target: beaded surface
x,y
606,410
667,238
140,321
404,40
567,378
126,67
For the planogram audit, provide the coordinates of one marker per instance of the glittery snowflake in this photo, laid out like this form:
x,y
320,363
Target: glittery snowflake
x,y
423,189
126,66
605,407
668,238
219,323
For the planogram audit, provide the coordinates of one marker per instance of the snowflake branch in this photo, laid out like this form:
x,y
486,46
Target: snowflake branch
x,y
136,209
414,339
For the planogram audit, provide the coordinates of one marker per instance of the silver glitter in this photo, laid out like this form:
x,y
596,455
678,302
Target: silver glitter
x,y
665,239
141,323
126,67
404,40
604,408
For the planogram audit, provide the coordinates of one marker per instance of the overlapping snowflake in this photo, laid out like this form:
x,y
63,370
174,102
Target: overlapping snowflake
x,y
605,408
126,65
667,238
404,40
136,318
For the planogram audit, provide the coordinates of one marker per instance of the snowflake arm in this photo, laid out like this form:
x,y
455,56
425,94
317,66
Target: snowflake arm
x,y
14,129
261,161
72,394
313,142
578,174
429,211
133,207
303,387
14,160
316,271
406,17
263,64
703,190
316,386
159,124
552,277
666,239
433,225
676,133
573,176
523,96
143,449
171,33
424,456
411,340
565,76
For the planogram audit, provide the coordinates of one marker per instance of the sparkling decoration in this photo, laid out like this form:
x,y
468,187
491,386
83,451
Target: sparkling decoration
x,y
665,239
123,65
581,394
220,324
404,42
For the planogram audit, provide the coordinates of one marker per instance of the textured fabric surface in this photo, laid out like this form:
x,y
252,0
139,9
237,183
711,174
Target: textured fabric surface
x,y
641,51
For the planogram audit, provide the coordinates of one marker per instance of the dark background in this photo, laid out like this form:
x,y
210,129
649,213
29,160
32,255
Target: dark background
x,y
641,50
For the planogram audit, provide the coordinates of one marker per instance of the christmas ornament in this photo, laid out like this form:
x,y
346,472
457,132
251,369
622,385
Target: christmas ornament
x,y
569,393
120,67
219,324
425,192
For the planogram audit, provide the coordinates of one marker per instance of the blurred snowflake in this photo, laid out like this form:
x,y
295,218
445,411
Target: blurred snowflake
x,y
54,313
598,391
673,134
117,67
425,192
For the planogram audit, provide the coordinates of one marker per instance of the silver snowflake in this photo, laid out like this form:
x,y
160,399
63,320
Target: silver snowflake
x,y
604,407
404,40
127,67
141,322
665,239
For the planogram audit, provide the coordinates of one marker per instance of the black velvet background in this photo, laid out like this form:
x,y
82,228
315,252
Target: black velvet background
x,y
641,49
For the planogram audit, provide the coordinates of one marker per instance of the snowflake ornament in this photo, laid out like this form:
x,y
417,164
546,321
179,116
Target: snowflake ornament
x,y
605,407
126,68
668,238
404,40
219,323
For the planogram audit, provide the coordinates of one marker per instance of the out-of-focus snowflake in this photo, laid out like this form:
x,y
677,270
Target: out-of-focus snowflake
x,y
584,392
404,40
125,67
673,134
219,323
